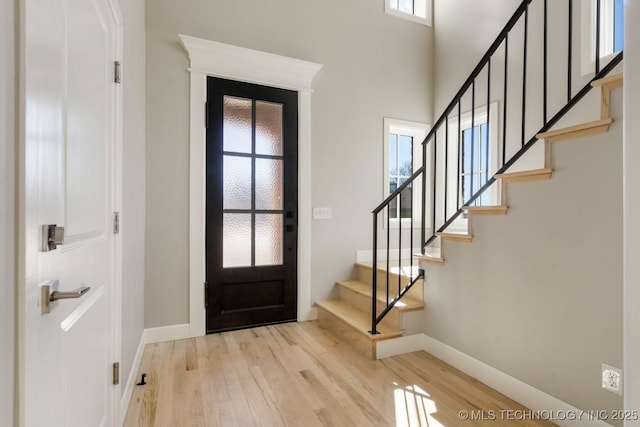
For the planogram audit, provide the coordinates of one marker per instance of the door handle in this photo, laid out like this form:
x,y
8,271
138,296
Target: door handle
x,y
55,296
49,293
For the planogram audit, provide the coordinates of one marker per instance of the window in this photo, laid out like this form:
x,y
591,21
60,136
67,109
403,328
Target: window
x,y
413,10
402,156
618,25
611,31
611,27
474,172
405,6
479,155
400,169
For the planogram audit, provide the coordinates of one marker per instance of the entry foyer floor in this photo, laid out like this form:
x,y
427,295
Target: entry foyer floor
x,y
299,374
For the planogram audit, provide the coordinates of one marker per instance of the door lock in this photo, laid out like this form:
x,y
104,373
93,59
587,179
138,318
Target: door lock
x,y
52,236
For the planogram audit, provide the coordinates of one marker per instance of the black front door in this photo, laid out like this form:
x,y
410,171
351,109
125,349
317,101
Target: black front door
x,y
251,205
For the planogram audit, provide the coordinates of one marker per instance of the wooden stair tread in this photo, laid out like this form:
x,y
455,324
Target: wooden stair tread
x,y
529,175
461,236
358,320
583,129
486,210
611,81
405,304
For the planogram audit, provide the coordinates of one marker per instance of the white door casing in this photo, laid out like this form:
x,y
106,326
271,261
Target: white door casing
x,y
209,58
70,178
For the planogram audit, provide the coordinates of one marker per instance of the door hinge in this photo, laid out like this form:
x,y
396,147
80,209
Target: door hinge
x,y
116,373
116,72
206,294
206,115
116,222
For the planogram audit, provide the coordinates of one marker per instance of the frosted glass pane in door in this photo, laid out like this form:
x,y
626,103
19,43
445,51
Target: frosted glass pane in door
x,y
236,124
268,128
269,239
236,240
268,184
236,182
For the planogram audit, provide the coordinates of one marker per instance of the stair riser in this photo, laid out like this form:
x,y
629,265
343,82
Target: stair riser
x,y
365,275
343,330
363,303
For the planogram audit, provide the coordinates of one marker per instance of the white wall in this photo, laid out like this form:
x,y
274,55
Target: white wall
x,y
464,30
538,294
8,139
631,155
375,65
133,207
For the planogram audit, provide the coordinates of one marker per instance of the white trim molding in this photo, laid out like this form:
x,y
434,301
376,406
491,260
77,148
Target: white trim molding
x,y
167,333
209,58
125,400
521,392
248,65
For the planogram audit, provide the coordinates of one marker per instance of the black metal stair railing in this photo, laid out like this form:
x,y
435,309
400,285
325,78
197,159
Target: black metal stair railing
x,y
444,150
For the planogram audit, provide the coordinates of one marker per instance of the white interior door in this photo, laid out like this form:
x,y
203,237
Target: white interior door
x,y
70,174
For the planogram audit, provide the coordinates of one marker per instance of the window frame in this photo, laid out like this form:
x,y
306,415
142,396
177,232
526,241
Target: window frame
x,y
422,11
418,131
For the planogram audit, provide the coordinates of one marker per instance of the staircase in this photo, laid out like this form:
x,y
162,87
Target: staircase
x,y
350,316
372,307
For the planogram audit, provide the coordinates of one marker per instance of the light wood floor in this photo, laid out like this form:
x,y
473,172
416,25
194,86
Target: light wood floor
x,y
299,374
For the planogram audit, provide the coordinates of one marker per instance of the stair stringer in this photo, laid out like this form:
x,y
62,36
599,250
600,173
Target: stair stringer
x,y
548,139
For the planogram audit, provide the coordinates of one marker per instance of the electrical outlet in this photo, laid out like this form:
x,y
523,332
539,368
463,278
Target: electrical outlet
x,y
322,213
612,379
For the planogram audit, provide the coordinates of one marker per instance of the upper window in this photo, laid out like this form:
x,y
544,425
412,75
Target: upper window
x,y
611,31
402,157
413,10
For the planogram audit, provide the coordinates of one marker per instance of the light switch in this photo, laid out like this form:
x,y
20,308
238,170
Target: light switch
x,y
322,213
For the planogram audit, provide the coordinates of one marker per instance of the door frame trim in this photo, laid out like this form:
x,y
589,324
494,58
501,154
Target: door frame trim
x,y
118,412
209,58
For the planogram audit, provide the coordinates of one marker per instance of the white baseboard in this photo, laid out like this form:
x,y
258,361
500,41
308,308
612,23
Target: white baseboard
x,y
311,314
149,336
400,345
511,387
166,333
183,331
125,401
